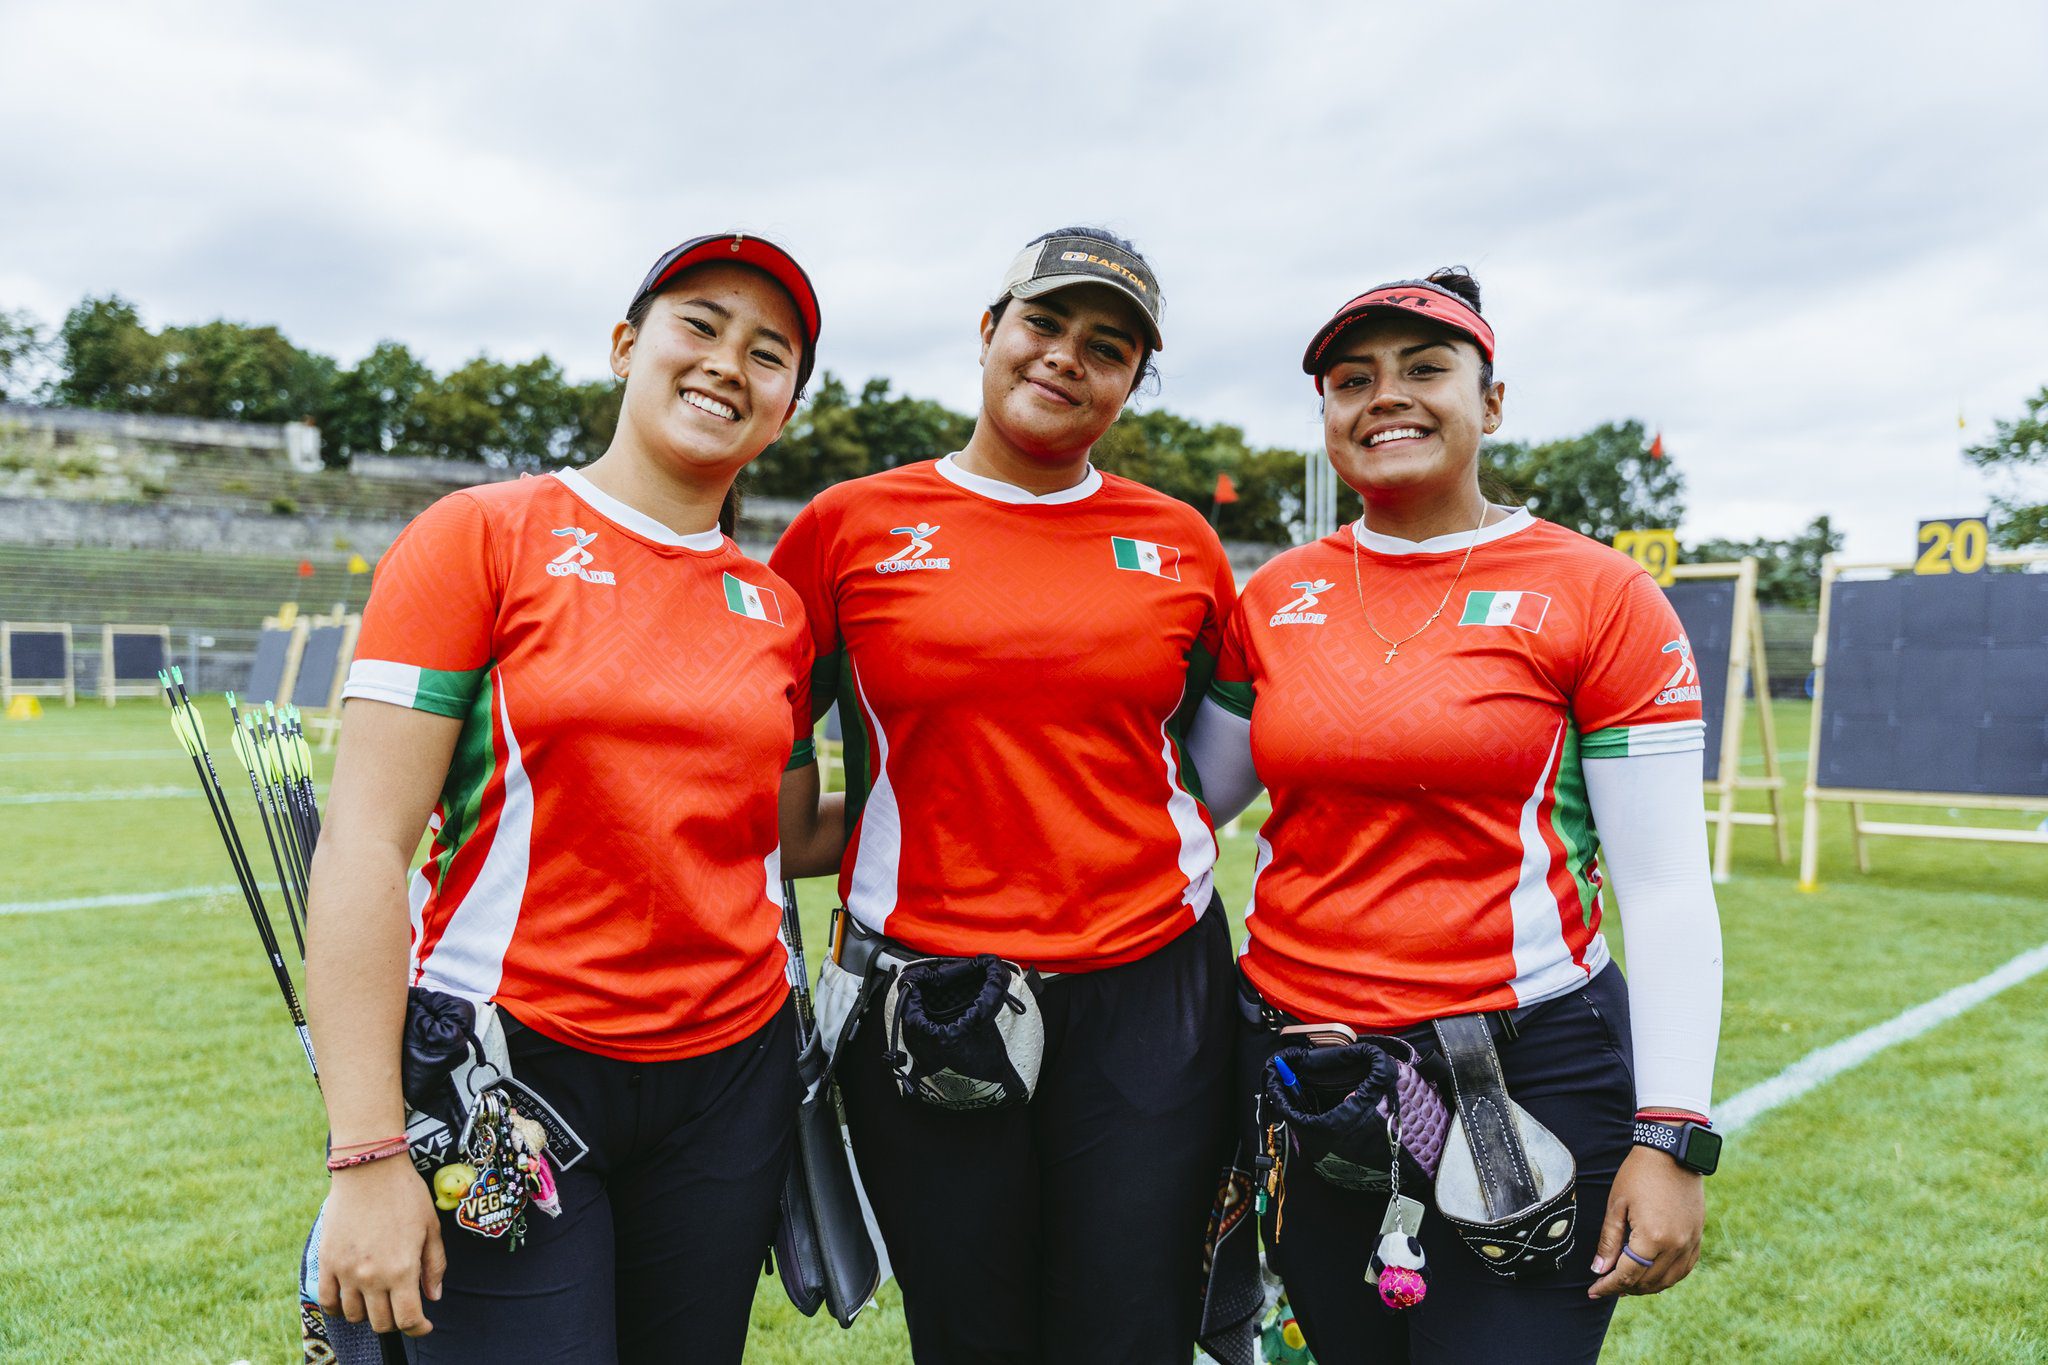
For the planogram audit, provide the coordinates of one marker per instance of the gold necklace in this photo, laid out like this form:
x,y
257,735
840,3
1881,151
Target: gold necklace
x,y
1358,583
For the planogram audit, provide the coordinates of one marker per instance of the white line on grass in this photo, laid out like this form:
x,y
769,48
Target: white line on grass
x,y
183,893
1818,1068
128,794
97,755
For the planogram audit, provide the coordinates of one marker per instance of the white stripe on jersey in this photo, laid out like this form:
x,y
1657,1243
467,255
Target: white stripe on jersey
x,y
383,680
1197,845
469,958
1543,961
1251,905
879,855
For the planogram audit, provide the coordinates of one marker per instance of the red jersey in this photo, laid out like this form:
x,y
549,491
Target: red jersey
x,y
605,857
1007,665
1431,850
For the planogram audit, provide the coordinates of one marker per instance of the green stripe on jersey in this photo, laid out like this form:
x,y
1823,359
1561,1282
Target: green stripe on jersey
x,y
469,773
1571,816
449,694
1632,741
1234,697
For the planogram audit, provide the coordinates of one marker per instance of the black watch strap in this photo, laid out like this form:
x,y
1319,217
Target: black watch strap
x,y
1692,1145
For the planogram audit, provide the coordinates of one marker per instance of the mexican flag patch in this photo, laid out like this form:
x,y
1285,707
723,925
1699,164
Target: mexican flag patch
x,y
1142,556
757,604
1522,610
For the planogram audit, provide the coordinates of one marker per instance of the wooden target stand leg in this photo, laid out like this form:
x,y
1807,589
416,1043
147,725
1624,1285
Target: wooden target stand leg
x,y
1748,672
1809,830
1773,775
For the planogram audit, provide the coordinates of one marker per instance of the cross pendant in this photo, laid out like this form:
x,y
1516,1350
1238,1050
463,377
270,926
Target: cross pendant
x,y
1391,653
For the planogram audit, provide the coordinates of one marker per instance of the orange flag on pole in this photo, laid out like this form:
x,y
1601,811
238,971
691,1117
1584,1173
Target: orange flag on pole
x,y
1657,447
1226,491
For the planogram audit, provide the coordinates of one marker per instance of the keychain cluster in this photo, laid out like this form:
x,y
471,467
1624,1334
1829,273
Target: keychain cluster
x,y
1398,1267
504,1170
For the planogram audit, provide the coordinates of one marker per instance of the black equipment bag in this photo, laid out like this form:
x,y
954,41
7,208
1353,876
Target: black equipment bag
x,y
823,1250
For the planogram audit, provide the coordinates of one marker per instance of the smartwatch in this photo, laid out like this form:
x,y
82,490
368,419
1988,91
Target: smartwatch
x,y
1692,1145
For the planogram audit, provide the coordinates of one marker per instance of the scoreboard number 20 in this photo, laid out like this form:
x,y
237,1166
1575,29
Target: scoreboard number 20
x,y
1953,545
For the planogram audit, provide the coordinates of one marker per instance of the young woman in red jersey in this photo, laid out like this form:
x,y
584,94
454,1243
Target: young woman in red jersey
x,y
1452,705
595,694
1010,633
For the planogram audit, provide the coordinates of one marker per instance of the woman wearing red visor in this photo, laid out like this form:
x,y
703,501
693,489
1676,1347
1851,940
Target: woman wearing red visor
x,y
595,695
1455,706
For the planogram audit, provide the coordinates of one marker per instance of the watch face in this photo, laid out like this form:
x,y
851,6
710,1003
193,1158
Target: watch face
x,y
1702,1149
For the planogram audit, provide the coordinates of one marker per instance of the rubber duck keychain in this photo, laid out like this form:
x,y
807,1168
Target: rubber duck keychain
x,y
503,1171
1398,1265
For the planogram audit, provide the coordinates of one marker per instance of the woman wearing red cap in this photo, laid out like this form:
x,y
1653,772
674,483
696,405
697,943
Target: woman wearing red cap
x,y
1453,705
1039,1114
594,695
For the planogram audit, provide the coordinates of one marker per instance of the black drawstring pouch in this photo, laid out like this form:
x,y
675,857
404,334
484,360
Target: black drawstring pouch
x,y
1342,1104
964,1033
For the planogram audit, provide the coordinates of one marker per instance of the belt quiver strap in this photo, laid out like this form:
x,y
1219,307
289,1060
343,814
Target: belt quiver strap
x,y
1506,1184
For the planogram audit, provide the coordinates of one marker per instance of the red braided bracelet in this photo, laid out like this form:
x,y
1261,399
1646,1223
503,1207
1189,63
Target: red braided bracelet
x,y
389,1147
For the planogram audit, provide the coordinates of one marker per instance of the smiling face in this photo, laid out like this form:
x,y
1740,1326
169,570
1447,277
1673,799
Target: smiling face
x,y
1403,412
711,370
1057,369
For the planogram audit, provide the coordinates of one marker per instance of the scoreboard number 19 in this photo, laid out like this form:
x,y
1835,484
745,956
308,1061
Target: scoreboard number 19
x,y
1656,551
1953,545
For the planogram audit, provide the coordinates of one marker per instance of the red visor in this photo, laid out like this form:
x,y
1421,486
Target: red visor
x,y
754,251
1408,296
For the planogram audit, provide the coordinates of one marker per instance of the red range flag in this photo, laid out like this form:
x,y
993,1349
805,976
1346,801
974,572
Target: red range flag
x,y
1657,446
305,568
1226,491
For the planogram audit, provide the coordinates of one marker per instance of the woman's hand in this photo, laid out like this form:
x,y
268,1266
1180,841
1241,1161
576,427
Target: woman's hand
x,y
1657,1209
380,1248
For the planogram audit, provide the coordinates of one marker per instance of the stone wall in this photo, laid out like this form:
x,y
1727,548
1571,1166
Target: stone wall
x,y
133,526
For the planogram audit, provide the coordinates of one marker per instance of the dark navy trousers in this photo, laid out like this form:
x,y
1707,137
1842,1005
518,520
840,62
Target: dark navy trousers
x,y
1069,1229
1571,1067
664,1225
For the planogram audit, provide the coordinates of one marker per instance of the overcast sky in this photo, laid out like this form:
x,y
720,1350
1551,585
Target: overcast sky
x,y
1795,238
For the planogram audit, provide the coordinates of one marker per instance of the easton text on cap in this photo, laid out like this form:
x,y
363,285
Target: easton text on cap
x,y
1061,262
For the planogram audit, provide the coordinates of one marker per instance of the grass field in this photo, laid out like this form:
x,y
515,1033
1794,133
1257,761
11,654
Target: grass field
x,y
159,1137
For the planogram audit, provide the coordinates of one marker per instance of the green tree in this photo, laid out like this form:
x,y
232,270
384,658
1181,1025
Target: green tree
x,y
2016,449
369,407
1787,571
1597,484
24,356
230,370
456,418
903,430
821,446
523,414
594,418
109,359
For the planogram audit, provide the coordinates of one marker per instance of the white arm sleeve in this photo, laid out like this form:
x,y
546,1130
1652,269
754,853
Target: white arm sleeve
x,y
1648,815
1220,748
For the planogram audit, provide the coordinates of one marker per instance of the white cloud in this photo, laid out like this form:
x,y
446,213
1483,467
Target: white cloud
x,y
1793,236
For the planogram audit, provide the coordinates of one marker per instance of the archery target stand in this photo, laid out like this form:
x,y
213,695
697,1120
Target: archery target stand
x,y
1938,698
1717,605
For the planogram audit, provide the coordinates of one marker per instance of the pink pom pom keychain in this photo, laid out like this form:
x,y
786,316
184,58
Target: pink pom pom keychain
x,y
1397,1267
